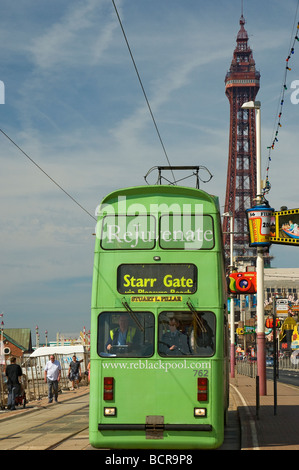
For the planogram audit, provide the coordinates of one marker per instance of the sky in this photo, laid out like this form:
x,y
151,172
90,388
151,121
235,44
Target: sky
x,y
73,103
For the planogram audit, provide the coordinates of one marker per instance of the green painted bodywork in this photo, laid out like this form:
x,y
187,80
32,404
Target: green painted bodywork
x,y
160,386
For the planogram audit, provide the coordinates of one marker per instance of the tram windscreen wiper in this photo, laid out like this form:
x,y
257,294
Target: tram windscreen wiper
x,y
197,317
132,314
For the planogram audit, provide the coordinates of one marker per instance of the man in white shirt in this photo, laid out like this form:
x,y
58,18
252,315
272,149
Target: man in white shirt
x,y
52,377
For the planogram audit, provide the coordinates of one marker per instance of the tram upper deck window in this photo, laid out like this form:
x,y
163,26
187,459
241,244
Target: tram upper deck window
x,y
125,335
128,232
187,334
186,232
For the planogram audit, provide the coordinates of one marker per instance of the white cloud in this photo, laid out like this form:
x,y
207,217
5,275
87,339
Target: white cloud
x,y
78,38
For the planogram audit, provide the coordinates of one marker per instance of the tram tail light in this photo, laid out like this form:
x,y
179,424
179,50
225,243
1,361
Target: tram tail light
x,y
202,389
108,388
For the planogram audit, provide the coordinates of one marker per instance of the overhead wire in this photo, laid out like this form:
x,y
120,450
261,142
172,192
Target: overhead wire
x,y
46,174
142,87
149,107
281,102
151,113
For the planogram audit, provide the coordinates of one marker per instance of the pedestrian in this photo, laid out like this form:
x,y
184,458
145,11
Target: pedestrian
x,y
88,369
13,372
74,372
52,377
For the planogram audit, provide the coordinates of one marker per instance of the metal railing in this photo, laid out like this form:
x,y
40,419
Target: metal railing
x,y
32,381
288,363
249,368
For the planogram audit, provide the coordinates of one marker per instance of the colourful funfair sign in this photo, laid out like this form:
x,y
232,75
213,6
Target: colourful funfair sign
x,y
259,224
285,227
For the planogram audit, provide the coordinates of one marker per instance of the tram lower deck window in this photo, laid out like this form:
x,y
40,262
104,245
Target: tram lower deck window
x,y
186,334
124,335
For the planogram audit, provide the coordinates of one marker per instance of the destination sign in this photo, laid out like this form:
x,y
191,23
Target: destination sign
x,y
157,279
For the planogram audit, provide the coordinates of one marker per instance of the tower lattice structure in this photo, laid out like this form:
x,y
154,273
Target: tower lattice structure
x,y
242,83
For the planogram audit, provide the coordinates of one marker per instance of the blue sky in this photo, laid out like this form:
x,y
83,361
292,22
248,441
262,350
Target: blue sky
x,y
74,104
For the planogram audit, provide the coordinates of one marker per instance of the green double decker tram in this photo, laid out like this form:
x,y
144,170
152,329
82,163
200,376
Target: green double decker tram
x,y
159,352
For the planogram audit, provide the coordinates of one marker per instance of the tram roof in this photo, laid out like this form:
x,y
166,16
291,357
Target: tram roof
x,y
156,190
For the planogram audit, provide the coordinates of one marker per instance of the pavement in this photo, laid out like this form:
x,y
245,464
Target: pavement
x,y
34,405
266,427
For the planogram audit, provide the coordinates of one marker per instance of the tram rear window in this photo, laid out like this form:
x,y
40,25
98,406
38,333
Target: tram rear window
x,y
125,335
187,334
128,232
186,232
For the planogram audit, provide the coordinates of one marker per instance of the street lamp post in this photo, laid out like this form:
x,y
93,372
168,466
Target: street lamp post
x,y
2,361
36,337
232,302
260,330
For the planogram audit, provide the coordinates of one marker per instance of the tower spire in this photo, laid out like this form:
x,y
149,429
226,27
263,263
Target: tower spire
x,y
242,83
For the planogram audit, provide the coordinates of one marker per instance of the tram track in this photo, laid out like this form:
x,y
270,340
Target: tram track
x,y
66,443
47,428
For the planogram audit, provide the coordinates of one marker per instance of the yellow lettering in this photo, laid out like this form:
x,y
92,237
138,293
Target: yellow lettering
x,y
177,281
167,283
131,281
127,280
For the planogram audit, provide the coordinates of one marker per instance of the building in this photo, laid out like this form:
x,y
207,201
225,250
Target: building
x,y
16,342
282,281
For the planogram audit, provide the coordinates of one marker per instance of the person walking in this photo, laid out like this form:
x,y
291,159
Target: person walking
x,y
13,372
52,377
74,372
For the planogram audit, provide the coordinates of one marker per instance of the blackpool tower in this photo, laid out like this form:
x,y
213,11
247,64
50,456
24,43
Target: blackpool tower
x,y
242,83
